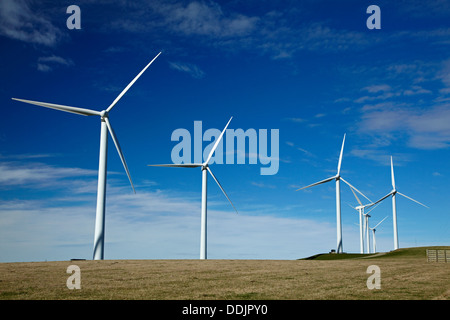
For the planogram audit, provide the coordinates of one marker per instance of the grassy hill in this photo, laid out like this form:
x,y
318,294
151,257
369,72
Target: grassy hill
x,y
405,275
403,253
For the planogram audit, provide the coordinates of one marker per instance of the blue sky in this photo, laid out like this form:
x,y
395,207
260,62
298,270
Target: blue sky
x,y
311,69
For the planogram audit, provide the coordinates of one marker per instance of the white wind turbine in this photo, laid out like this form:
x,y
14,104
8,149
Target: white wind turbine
x,y
205,168
394,208
373,235
99,236
361,208
337,178
366,227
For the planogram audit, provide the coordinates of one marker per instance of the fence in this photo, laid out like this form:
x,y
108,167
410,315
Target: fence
x,y
437,255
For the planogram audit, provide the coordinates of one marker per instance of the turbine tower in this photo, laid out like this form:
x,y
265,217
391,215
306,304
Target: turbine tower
x,y
394,192
366,231
99,234
373,235
337,178
205,169
361,208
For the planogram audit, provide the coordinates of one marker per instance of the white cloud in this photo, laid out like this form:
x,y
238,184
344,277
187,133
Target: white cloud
x,y
190,69
425,128
147,225
263,185
201,18
416,90
153,225
208,23
18,21
35,174
46,64
377,88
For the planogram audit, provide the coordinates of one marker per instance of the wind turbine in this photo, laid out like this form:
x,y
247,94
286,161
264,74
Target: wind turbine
x,y
394,207
361,209
337,178
373,235
99,235
205,169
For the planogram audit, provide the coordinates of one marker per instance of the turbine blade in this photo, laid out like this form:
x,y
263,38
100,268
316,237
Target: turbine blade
x,y
376,205
181,165
119,150
217,143
80,111
340,157
380,222
359,201
348,183
218,183
412,199
392,174
351,206
317,183
130,84
378,201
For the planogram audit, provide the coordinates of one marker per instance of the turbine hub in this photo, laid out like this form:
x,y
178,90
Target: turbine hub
x,y
104,114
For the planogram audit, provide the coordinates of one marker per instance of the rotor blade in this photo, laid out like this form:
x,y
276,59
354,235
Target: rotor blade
x,y
412,199
181,165
317,183
81,111
392,174
340,156
359,201
218,183
378,201
217,143
373,208
351,206
348,183
380,222
119,150
130,84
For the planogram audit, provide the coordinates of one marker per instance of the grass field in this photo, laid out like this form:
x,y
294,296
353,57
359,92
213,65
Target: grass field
x,y
405,275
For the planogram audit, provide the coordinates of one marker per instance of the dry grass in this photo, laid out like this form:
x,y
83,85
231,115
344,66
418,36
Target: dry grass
x,y
410,277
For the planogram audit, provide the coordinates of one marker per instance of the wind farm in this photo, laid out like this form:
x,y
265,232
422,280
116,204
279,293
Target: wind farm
x,y
293,109
106,127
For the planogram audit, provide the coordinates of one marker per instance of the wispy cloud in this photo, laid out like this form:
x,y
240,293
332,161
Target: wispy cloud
x,y
48,63
35,174
425,128
191,69
18,21
297,120
412,105
26,156
263,185
206,18
154,224
218,26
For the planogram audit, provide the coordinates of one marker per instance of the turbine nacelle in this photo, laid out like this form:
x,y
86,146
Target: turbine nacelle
x,y
104,114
